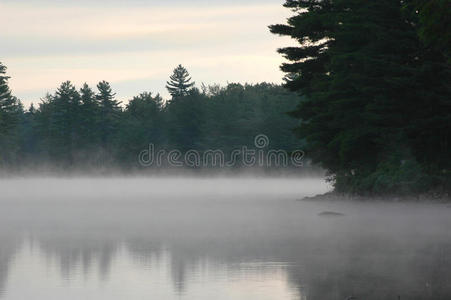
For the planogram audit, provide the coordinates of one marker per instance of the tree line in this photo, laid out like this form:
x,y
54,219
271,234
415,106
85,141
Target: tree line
x,y
86,127
376,79
370,96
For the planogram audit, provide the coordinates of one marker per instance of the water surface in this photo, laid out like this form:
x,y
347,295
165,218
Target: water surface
x,y
239,238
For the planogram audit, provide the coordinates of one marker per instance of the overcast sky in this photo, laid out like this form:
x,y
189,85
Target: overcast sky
x,y
135,44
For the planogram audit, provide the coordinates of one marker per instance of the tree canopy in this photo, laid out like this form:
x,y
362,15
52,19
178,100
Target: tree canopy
x,y
376,107
86,128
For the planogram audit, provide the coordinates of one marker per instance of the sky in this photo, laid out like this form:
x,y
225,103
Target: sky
x,y
135,44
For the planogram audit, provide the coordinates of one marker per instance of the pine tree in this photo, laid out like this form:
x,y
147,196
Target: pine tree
x,y
89,115
430,133
359,64
142,124
179,83
8,104
109,114
10,110
185,119
29,134
145,105
64,122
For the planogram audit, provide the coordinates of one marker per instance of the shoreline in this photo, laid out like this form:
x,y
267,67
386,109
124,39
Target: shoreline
x,y
431,197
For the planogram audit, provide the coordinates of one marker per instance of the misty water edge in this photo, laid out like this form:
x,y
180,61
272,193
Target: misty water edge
x,y
220,238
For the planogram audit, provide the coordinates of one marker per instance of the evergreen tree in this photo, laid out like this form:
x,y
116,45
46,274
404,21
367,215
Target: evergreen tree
x,y
143,123
185,117
90,111
109,114
10,110
237,113
179,83
29,134
64,123
430,133
359,63
76,128
42,121
8,104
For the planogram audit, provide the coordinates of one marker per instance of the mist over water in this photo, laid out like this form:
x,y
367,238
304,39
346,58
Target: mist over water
x,y
222,238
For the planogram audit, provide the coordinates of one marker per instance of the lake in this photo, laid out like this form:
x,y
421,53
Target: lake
x,y
215,238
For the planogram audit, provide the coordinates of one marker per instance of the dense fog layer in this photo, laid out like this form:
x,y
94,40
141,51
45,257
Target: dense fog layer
x,y
188,238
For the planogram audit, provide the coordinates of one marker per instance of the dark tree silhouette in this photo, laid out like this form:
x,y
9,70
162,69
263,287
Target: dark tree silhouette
x,y
90,111
8,103
179,83
10,108
376,111
109,113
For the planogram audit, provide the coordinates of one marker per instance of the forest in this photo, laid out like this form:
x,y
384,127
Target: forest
x,y
86,128
367,95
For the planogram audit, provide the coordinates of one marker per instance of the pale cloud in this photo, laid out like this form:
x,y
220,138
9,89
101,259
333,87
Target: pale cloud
x,y
108,22
45,45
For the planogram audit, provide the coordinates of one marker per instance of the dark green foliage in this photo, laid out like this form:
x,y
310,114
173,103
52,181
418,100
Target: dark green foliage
x,y
59,123
90,114
237,113
10,110
434,25
371,89
80,128
8,104
74,127
109,114
28,137
143,123
180,82
185,116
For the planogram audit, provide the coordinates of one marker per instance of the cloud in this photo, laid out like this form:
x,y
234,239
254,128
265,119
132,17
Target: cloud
x,y
111,22
44,44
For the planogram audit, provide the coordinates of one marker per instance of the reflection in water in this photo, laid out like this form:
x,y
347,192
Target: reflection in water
x,y
9,245
47,276
222,239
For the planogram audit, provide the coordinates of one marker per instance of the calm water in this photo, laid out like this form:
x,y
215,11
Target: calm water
x,y
241,238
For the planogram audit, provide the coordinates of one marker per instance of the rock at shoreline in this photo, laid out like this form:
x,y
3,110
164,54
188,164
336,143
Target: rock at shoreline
x,y
330,214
